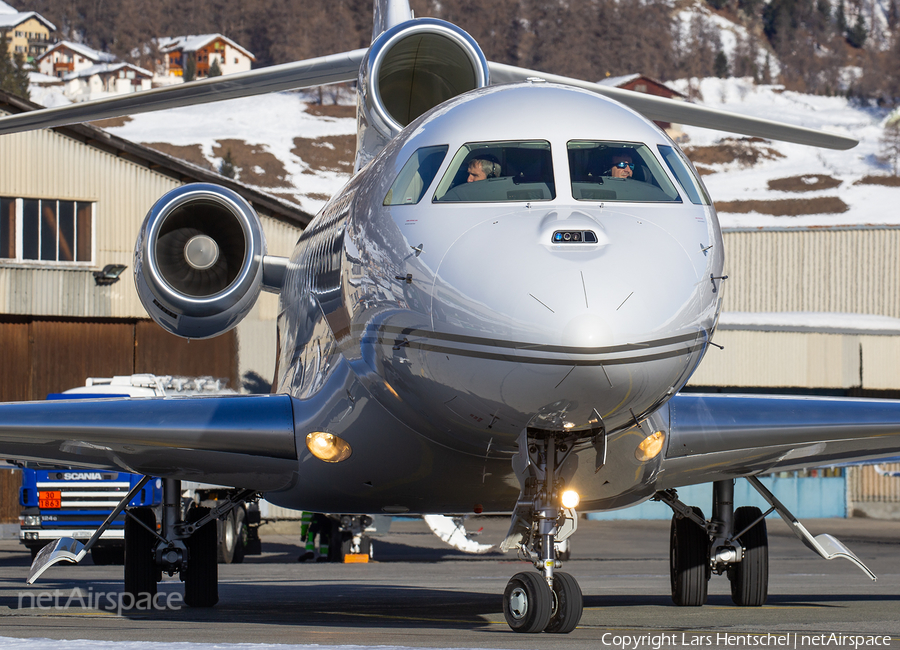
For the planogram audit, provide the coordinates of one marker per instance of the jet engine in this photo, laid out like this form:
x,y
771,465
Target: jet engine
x,y
412,68
198,260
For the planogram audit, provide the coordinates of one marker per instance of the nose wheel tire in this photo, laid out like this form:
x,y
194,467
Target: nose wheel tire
x,y
141,573
688,561
527,603
750,577
569,604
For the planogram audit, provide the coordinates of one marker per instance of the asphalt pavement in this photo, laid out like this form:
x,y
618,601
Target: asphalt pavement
x,y
420,593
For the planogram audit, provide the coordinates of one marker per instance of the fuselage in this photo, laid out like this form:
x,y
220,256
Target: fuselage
x,y
553,295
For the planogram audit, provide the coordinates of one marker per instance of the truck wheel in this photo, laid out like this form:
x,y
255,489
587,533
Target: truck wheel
x,y
140,567
240,534
226,538
201,577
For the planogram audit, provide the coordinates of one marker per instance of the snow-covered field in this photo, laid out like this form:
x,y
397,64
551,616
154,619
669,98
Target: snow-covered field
x,y
868,204
274,121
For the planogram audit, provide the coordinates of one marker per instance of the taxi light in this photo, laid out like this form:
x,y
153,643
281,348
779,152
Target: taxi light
x,y
328,447
650,447
570,499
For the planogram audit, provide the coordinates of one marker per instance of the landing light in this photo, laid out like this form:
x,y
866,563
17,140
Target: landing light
x,y
570,499
650,447
328,447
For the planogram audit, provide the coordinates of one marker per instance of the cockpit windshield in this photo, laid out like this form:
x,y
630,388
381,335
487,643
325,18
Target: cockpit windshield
x,y
617,171
499,172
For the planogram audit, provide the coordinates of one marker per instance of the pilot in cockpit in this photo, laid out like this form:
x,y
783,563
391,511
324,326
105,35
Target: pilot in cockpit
x,y
622,165
481,169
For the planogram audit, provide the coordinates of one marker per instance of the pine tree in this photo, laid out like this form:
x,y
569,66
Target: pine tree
x,y
841,18
858,34
720,66
226,167
13,71
190,67
214,69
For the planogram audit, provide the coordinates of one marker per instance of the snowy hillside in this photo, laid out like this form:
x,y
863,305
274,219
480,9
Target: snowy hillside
x,y
288,146
777,184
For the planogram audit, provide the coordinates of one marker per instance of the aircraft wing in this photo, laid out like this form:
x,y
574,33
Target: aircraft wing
x,y
240,441
668,110
334,68
714,437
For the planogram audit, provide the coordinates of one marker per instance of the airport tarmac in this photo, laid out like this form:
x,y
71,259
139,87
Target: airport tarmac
x,y
421,593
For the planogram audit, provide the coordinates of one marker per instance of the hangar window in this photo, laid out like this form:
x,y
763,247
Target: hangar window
x,y
504,172
416,175
46,230
618,171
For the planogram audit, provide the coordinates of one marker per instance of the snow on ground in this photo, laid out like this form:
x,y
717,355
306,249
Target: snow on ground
x,y
868,204
11,643
804,321
272,120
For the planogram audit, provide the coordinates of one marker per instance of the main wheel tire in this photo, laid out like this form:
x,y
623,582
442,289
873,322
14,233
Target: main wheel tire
x,y
105,555
201,577
750,577
226,538
688,562
569,604
240,534
527,603
141,574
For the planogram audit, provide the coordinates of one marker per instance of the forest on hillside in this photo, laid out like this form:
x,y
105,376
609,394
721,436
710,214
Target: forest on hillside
x,y
808,45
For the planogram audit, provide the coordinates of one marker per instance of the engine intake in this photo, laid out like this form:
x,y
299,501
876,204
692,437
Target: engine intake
x,y
415,66
198,260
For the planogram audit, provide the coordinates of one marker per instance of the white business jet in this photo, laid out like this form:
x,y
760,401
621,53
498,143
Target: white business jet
x,y
495,314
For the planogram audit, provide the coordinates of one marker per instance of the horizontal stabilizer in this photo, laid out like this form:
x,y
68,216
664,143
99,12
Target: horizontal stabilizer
x,y
668,110
239,441
335,68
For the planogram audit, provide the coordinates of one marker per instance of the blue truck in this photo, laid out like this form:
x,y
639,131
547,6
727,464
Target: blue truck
x,y
63,502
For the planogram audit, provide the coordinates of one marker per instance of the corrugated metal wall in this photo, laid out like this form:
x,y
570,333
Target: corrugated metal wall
x,y
802,360
855,271
865,484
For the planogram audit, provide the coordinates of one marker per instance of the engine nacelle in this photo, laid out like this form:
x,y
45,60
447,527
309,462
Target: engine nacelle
x,y
410,69
198,260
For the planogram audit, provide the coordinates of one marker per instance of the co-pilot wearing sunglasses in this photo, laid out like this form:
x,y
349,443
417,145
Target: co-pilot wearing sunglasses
x,y
622,166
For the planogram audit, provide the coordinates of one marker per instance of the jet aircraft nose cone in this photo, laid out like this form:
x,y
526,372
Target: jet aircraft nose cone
x,y
561,333
509,276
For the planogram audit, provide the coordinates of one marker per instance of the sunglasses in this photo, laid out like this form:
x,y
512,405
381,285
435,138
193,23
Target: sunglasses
x,y
623,165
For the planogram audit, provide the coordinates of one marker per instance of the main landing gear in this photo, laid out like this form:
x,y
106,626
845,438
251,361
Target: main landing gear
x,y
188,544
733,542
549,601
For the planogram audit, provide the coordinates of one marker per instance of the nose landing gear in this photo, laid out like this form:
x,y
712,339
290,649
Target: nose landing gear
x,y
551,601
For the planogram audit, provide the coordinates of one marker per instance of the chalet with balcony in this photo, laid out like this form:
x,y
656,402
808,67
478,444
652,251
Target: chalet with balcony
x,y
28,32
204,49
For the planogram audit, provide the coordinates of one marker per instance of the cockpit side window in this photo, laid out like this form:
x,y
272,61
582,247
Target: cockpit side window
x,y
684,172
416,175
617,171
502,172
